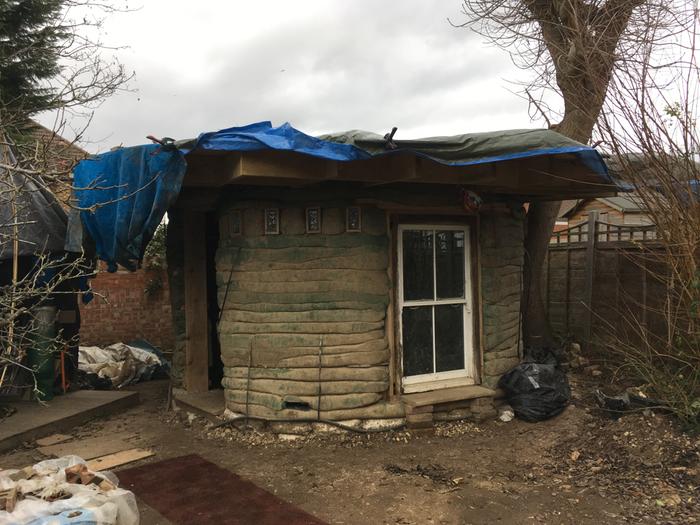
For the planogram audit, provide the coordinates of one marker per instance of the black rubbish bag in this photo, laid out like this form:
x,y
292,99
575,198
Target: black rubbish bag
x,y
536,391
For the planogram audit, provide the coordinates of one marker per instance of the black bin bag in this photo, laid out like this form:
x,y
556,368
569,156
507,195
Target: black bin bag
x,y
536,391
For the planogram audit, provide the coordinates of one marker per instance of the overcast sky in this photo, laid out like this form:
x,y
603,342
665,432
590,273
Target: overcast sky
x,y
322,65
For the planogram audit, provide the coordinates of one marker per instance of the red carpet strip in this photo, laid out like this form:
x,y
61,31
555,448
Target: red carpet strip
x,y
190,490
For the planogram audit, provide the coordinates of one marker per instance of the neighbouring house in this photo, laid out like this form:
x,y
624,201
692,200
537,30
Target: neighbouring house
x,y
620,209
350,277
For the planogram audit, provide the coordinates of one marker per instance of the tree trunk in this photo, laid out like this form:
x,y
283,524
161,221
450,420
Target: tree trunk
x,y
541,217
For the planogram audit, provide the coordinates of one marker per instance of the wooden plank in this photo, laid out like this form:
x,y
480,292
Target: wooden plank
x,y
53,439
590,274
283,165
118,459
86,448
391,316
196,321
447,395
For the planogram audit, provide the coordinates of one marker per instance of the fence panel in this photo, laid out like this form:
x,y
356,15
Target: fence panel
x,y
599,276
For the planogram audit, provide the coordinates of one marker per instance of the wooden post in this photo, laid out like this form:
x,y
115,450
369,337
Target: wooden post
x,y
196,321
644,289
567,289
546,283
390,319
590,273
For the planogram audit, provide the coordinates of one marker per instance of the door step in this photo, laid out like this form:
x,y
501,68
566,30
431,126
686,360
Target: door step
x,y
420,406
447,395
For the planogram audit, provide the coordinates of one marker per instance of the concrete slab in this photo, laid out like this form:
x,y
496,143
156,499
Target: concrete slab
x,y
62,414
209,404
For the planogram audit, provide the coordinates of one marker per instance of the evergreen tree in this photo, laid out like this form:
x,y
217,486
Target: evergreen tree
x,y
32,33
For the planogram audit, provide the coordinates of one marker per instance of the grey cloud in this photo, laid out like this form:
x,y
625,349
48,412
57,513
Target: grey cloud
x,y
362,64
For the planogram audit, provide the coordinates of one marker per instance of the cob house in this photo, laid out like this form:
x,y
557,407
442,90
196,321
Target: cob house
x,y
355,277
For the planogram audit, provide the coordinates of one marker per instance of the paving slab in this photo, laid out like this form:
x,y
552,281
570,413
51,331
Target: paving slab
x,y
209,404
62,414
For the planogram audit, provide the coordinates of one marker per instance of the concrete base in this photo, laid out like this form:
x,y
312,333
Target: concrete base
x,y
62,414
209,404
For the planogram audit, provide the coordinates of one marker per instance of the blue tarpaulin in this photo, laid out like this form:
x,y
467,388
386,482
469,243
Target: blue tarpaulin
x,y
262,135
123,196
125,193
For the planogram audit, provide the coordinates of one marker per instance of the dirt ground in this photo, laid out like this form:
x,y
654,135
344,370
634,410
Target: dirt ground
x,y
578,468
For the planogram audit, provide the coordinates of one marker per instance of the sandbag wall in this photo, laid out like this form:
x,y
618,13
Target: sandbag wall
x,y
502,251
302,332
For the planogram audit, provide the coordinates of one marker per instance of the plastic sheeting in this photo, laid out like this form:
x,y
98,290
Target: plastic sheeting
x,y
86,504
41,222
126,192
123,196
262,135
121,363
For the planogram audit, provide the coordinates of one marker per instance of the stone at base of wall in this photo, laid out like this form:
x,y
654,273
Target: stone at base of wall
x,y
477,410
303,428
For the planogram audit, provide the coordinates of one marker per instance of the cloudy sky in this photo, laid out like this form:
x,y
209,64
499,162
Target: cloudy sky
x,y
322,65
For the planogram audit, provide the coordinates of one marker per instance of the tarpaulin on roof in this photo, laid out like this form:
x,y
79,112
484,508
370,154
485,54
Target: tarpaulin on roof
x,y
125,216
262,135
480,148
124,195
457,150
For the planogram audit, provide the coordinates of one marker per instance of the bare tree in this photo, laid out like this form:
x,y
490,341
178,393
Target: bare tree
x,y
73,75
652,132
576,49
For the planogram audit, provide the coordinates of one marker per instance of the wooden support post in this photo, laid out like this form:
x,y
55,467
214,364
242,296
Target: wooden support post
x,y
590,273
546,283
567,289
196,321
390,320
644,289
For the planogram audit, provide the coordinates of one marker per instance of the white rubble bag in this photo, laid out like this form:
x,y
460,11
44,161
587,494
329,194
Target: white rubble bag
x,y
78,504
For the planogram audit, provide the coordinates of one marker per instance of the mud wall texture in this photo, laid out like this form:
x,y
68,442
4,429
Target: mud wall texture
x,y
501,243
303,324
176,285
303,329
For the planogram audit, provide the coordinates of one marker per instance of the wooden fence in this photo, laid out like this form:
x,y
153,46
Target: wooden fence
x,y
599,276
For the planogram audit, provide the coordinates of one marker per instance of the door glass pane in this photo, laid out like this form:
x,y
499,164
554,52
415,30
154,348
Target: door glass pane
x,y
417,264
449,337
449,255
417,328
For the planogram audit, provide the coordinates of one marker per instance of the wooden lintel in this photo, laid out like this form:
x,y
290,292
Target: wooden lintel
x,y
407,207
282,165
197,199
209,171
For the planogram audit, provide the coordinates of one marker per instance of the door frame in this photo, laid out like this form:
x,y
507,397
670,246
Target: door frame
x,y
471,222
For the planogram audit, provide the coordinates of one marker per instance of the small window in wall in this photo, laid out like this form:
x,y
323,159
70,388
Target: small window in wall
x,y
272,221
235,224
313,220
353,219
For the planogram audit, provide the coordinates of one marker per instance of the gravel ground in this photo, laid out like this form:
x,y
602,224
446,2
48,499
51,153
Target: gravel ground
x,y
578,468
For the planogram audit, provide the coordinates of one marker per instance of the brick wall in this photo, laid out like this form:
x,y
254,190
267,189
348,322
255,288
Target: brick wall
x,y
126,312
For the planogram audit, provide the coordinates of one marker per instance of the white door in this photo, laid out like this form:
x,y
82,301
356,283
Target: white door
x,y
436,310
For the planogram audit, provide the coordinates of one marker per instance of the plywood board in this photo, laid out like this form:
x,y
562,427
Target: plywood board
x,y
53,439
86,448
111,461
